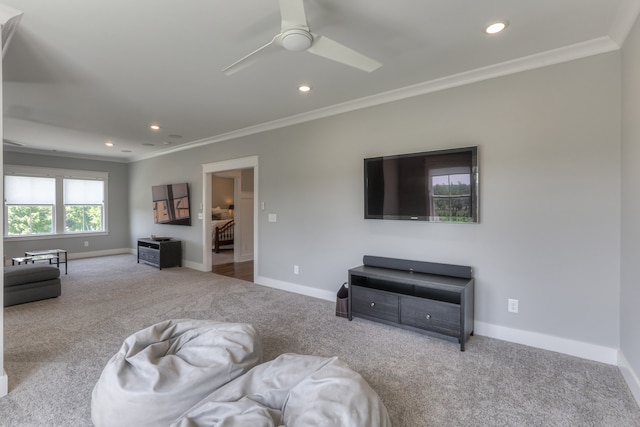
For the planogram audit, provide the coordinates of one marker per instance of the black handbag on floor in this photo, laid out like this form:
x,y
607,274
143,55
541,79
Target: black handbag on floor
x,y
342,301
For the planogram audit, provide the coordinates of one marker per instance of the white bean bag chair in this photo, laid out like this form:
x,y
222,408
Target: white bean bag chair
x,y
292,390
163,370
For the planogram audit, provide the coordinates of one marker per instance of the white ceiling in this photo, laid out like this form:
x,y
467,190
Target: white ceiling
x,y
79,73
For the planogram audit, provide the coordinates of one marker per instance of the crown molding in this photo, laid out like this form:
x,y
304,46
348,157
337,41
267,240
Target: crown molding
x,y
40,152
626,17
539,60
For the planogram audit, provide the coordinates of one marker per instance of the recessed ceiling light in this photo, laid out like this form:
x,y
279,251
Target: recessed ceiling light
x,y
155,127
496,27
148,144
166,143
109,144
175,136
304,88
126,151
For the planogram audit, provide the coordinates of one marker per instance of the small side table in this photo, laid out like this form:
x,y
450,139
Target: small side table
x,y
20,260
33,259
55,252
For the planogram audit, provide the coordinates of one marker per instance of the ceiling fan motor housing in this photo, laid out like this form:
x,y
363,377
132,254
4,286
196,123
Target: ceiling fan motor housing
x,y
296,39
295,35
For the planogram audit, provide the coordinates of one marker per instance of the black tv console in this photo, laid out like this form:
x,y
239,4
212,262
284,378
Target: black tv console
x,y
430,298
160,253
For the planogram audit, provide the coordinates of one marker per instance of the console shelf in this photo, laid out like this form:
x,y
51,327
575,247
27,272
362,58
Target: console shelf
x,y
161,254
413,298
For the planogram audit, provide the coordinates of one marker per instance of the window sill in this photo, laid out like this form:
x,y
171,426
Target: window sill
x,y
54,236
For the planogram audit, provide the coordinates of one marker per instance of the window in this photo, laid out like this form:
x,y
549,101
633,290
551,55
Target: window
x,y
42,201
30,204
83,205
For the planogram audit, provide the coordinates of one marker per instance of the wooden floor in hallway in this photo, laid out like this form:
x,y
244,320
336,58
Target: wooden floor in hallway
x,y
238,270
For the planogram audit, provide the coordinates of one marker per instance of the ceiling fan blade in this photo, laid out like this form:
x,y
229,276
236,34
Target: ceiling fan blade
x,y
254,56
12,143
293,16
327,48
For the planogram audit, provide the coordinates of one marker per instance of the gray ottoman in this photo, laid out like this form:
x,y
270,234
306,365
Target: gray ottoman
x,y
31,282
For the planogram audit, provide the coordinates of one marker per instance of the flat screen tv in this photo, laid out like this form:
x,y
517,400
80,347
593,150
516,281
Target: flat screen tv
x,y
435,186
171,204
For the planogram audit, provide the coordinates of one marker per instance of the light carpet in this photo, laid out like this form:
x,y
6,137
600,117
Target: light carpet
x,y
55,351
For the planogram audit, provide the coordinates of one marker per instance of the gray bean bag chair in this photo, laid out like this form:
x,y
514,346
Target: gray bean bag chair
x,y
161,371
292,390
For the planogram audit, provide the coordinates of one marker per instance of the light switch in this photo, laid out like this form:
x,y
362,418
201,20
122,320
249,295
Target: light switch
x,y
272,218
199,215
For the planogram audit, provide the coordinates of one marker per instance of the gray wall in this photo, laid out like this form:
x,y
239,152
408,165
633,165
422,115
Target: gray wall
x,y
166,170
630,292
549,232
118,207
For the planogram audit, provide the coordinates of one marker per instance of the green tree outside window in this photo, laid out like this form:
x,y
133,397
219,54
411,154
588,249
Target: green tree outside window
x,y
79,218
29,219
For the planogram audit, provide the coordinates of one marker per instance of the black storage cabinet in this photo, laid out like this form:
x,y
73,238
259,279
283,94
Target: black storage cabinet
x,y
161,254
433,304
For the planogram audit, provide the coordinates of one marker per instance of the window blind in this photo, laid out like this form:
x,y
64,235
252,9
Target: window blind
x,y
83,192
28,190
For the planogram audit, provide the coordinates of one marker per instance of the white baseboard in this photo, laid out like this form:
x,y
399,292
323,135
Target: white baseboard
x,y
580,349
575,348
295,288
584,350
4,384
245,257
92,254
198,266
630,376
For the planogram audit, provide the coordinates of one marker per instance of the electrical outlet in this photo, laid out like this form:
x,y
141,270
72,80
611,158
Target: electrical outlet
x,y
86,244
512,305
296,269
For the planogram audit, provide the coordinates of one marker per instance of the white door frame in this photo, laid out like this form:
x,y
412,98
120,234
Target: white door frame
x,y
208,169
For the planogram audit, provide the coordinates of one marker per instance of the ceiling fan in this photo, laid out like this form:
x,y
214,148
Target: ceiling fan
x,y
296,36
11,143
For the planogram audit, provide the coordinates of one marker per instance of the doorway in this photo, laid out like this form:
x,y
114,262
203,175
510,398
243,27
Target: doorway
x,y
238,258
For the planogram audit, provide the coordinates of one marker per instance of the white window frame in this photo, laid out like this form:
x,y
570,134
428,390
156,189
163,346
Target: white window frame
x,y
59,175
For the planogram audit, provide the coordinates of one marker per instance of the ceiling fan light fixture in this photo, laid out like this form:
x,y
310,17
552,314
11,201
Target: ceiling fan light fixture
x,y
296,35
296,39
496,27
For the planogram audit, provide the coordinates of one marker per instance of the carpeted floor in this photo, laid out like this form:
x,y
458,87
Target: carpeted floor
x,y
56,349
